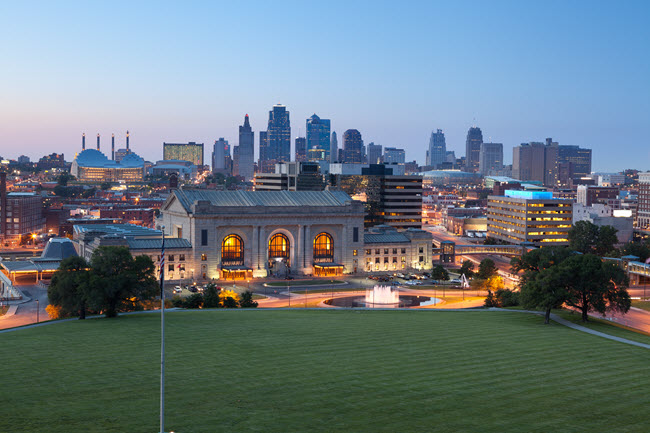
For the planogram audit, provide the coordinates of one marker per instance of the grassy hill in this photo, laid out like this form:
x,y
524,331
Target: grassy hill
x,y
330,370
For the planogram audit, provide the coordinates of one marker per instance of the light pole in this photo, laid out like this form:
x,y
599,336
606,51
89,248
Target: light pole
x,y
38,305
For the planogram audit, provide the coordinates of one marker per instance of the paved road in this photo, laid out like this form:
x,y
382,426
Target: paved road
x,y
26,312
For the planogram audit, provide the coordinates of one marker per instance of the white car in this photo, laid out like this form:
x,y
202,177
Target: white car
x,y
178,289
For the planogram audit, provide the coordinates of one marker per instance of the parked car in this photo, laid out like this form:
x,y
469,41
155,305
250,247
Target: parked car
x,y
178,289
193,289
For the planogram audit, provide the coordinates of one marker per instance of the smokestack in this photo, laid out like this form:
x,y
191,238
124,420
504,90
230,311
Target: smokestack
x,y
127,142
98,141
113,147
3,203
83,141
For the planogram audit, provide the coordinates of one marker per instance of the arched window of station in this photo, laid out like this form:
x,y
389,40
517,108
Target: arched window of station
x,y
279,248
232,251
323,248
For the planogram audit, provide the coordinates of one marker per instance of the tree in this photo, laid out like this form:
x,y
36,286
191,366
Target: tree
x,y
588,238
467,269
116,277
486,269
247,301
641,250
229,299
64,178
537,260
69,288
440,273
544,290
211,296
105,186
593,284
195,300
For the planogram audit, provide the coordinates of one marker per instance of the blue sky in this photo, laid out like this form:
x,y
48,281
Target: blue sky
x,y
577,71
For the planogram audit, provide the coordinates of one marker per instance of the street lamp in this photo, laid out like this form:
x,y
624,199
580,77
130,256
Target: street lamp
x,y
38,305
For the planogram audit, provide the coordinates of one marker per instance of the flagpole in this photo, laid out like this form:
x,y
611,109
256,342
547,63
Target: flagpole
x,y
162,333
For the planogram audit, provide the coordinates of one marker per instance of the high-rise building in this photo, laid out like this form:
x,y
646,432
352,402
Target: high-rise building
x,y
491,158
279,135
375,154
643,207
219,155
301,149
529,216
334,148
352,146
473,149
394,155
192,152
437,153
528,161
265,164
235,161
580,159
318,134
246,150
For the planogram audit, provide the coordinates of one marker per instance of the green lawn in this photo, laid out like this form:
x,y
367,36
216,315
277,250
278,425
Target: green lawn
x,y
644,305
304,283
322,371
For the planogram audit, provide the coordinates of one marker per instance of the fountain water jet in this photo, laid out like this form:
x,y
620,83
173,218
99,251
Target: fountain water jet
x,y
382,295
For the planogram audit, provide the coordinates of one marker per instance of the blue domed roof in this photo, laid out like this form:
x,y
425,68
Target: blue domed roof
x,y
91,157
132,160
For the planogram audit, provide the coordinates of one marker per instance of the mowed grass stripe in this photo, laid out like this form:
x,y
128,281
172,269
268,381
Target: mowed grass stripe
x,y
323,371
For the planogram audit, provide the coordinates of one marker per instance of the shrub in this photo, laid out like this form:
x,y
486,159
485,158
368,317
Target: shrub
x,y
507,298
247,301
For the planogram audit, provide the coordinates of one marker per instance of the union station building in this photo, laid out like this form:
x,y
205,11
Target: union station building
x,y
253,234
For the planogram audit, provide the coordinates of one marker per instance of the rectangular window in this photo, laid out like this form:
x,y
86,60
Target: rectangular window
x,y
181,257
385,259
421,250
421,259
170,257
170,268
385,250
377,260
377,251
403,250
204,237
204,257
355,252
368,252
181,268
394,250
355,234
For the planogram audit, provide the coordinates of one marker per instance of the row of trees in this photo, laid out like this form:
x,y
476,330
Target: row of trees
x,y
556,276
588,238
113,281
213,297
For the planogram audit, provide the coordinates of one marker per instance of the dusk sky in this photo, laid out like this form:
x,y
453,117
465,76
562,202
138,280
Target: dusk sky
x,y
577,71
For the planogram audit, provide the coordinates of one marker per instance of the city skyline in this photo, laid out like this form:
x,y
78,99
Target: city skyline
x,y
583,83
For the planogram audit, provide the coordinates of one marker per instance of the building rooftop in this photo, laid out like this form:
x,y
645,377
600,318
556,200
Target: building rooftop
x,y
123,230
95,158
156,243
262,198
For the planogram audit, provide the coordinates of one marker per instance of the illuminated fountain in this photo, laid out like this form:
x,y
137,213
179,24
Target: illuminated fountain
x,y
383,296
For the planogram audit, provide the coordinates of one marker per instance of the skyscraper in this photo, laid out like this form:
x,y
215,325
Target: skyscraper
x,y
301,149
528,161
579,157
219,155
473,149
375,154
246,150
437,152
278,136
334,148
491,158
352,146
318,134
192,152
262,165
394,155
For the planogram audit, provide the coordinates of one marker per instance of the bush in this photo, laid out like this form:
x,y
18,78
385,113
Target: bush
x,y
247,301
507,298
211,296
195,300
490,300
54,311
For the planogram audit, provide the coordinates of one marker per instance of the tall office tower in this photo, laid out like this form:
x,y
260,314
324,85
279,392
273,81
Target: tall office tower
x,y
491,158
437,153
473,149
279,135
235,161
318,134
528,161
334,148
219,155
450,156
265,163
643,207
246,150
301,149
551,153
352,146
192,152
113,147
394,155
375,154
580,159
